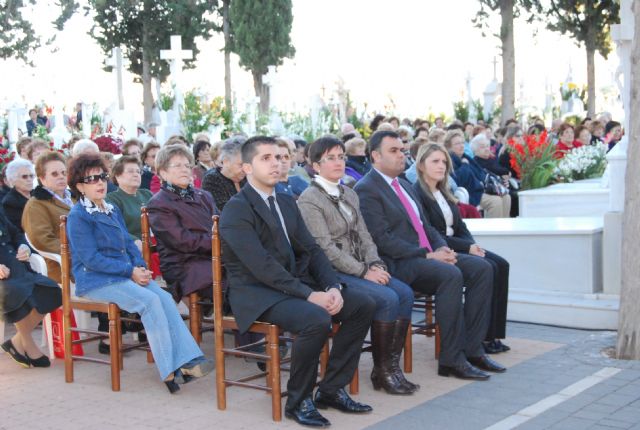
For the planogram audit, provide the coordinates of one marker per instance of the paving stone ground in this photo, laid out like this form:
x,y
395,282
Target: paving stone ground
x,y
544,361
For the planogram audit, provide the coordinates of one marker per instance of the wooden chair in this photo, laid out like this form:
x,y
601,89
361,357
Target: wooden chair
x,y
71,303
354,385
427,326
196,317
222,323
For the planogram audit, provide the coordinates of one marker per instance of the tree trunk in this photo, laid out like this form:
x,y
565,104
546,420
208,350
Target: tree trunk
x,y
629,319
227,54
591,76
508,61
262,91
147,95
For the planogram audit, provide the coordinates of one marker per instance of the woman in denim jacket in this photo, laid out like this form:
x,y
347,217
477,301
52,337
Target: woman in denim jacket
x,y
107,266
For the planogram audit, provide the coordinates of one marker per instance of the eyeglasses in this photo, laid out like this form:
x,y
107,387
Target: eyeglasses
x,y
60,173
334,158
179,166
28,176
94,179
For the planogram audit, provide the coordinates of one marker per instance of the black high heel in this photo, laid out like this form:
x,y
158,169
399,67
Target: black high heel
x,y
172,386
15,355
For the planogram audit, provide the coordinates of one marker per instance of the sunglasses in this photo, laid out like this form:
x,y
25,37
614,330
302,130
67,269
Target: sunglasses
x,y
94,179
28,176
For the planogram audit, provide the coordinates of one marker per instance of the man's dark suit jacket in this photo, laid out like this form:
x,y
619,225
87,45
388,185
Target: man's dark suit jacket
x,y
257,257
388,221
462,238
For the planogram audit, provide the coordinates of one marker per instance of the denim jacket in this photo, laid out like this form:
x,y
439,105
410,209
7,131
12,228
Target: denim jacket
x,y
102,251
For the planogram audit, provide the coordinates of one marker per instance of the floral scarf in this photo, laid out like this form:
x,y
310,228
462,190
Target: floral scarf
x,y
183,193
92,208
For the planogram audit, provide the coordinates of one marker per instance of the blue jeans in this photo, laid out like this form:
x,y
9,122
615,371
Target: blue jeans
x,y
393,301
171,343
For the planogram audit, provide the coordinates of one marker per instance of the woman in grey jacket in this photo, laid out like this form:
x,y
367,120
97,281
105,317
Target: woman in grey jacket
x,y
331,212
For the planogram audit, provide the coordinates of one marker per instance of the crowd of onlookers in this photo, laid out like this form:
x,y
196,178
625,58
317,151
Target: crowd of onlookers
x,y
298,221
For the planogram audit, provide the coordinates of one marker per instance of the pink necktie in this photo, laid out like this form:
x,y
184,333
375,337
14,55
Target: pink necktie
x,y
417,225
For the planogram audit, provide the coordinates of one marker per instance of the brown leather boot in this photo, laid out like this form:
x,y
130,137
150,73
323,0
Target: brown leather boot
x,y
382,376
399,336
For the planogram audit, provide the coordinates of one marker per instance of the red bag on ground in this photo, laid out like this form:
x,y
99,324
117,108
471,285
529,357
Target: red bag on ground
x,y
58,334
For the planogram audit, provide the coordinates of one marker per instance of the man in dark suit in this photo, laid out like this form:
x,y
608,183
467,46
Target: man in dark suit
x,y
416,254
278,274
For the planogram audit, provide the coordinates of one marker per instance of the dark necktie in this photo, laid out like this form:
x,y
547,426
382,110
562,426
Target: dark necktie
x,y
274,212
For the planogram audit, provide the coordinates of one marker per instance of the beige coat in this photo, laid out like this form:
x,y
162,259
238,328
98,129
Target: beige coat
x,y
347,243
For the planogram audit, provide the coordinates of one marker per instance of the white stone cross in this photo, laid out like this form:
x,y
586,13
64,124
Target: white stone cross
x,y
175,57
116,61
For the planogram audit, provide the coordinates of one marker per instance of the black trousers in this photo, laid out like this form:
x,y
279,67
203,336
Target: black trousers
x,y
462,327
500,297
311,324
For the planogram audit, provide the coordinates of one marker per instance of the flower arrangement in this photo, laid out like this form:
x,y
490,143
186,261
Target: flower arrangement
x,y
533,160
585,162
568,90
198,115
42,133
167,100
109,143
6,156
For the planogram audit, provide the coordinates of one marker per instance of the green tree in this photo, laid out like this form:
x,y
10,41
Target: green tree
x,y
261,38
142,28
509,9
589,23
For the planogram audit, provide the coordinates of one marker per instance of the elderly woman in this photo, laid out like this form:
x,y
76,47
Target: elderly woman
x,y
50,199
132,147
148,158
332,214
180,217
292,185
567,140
20,175
107,266
25,297
434,166
85,146
202,157
468,174
37,147
224,182
357,164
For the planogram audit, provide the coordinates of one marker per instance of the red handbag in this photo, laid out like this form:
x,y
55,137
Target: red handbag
x,y
58,335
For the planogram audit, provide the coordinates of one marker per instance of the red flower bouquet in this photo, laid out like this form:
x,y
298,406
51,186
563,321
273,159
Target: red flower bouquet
x,y
533,160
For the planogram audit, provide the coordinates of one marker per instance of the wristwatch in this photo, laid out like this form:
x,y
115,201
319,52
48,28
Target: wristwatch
x,y
339,286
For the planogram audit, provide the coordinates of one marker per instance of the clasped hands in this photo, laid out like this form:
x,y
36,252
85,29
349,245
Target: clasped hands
x,y
330,300
444,254
23,255
378,275
141,276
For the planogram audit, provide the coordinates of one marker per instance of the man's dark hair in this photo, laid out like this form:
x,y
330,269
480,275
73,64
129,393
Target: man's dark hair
x,y
300,143
376,139
250,147
455,127
347,137
323,145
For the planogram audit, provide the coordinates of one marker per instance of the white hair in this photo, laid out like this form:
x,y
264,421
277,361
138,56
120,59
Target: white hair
x,y
85,145
477,141
14,167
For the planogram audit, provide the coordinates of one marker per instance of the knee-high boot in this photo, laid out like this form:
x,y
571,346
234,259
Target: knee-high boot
x,y
399,335
382,337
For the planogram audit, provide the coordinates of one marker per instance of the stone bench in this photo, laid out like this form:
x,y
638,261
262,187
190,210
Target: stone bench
x,y
556,269
577,199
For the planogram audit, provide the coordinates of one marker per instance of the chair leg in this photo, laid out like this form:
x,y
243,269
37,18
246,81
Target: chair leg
x,y
195,320
354,386
114,322
324,359
437,341
68,358
221,388
408,351
274,370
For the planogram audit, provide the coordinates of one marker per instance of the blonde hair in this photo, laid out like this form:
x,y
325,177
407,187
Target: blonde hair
x,y
352,145
436,134
450,135
443,185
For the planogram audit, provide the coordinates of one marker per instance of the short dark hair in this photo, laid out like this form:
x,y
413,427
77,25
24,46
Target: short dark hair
x,y
118,167
300,143
323,145
375,122
610,126
455,126
131,142
78,168
249,148
376,139
199,146
347,137
32,110
46,157
148,147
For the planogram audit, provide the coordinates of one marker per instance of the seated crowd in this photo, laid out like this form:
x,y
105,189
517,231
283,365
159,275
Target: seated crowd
x,y
342,230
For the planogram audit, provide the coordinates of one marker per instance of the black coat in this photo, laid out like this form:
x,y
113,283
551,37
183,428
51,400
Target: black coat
x,y
15,290
258,260
13,204
388,222
462,238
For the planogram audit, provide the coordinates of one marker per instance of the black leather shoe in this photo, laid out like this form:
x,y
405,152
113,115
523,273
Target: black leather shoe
x,y
502,346
42,361
104,348
485,363
15,355
490,347
464,371
306,414
340,401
